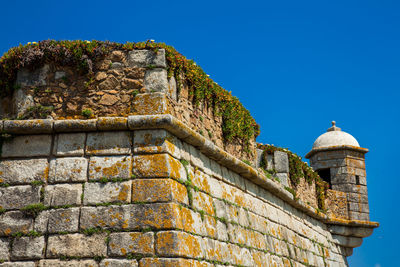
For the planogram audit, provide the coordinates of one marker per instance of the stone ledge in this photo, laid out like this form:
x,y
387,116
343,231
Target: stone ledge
x,y
182,131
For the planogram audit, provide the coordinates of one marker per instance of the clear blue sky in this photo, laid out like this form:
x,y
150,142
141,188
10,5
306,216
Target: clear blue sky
x,y
296,65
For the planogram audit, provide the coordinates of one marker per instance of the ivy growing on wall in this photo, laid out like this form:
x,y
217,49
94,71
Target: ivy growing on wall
x,y
237,121
299,169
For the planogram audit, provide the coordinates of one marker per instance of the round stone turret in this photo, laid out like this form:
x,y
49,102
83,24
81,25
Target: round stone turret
x,y
340,161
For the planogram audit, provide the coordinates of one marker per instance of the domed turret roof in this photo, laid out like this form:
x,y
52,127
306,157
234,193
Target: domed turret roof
x,y
335,137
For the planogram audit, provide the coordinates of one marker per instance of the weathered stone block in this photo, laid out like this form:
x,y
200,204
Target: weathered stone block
x,y
172,262
118,263
110,167
281,161
355,197
4,249
108,143
68,170
174,243
25,248
158,165
69,263
157,215
14,221
23,171
150,104
158,190
63,220
96,193
155,142
16,197
76,245
283,177
37,126
27,146
116,217
112,123
70,144
75,125
202,201
62,194
37,77
359,207
147,58
122,244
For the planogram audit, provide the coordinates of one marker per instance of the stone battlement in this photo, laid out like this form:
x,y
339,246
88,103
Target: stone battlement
x,y
124,170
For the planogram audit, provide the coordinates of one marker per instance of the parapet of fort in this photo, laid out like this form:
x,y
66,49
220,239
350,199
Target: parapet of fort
x,y
130,155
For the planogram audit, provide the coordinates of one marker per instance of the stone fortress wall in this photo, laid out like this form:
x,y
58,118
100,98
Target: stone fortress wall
x,y
149,188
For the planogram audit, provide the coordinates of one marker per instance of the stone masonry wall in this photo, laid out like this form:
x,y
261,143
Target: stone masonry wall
x,y
144,198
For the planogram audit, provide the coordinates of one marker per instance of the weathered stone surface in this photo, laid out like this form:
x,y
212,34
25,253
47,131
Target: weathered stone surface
x,y
158,165
75,125
70,263
172,88
28,126
68,170
112,123
16,197
18,264
203,202
62,194
108,143
63,220
96,193
4,249
283,177
122,244
118,263
76,245
37,77
147,58
71,144
155,80
26,248
156,141
14,221
110,167
172,262
174,243
281,161
27,146
22,102
158,190
23,171
149,104
116,217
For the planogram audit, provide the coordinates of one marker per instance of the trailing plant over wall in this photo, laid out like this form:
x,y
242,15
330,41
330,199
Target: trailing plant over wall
x,y
237,121
299,169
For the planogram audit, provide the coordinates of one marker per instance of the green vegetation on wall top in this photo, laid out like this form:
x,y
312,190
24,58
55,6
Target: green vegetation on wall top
x,y
237,121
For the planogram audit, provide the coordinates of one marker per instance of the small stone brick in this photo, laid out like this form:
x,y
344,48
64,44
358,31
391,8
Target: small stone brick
x,y
69,144
116,217
122,244
23,171
4,249
155,142
202,201
158,190
68,170
155,80
14,221
27,146
16,197
76,245
28,248
18,264
62,194
118,263
108,143
96,193
63,220
158,165
69,263
110,167
174,243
